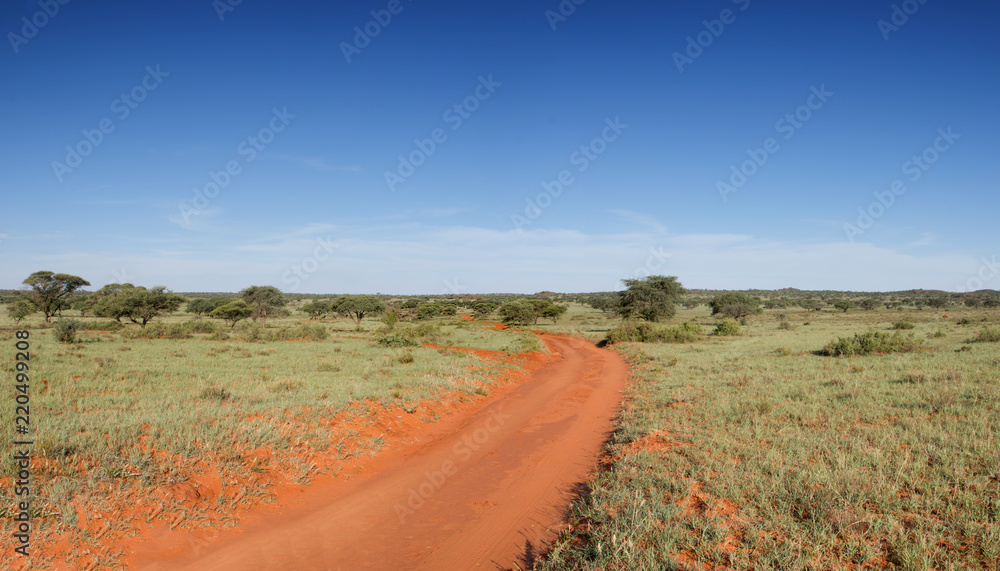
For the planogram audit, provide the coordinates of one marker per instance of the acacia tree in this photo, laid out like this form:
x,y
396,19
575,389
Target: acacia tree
x,y
653,298
554,311
358,306
316,309
737,305
48,291
519,312
232,312
200,306
138,304
844,305
264,300
20,309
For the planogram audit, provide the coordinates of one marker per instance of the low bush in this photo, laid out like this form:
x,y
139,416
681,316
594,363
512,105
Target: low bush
x,y
405,337
988,335
158,331
646,332
65,330
872,342
728,327
100,325
903,324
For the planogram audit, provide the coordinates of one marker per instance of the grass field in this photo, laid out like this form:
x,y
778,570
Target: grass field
x,y
114,413
750,451
756,452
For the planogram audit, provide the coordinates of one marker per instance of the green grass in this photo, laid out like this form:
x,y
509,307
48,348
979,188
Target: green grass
x,y
755,452
197,389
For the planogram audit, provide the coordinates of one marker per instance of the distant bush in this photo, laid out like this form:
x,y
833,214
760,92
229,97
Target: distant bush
x,y
100,325
903,324
938,334
647,332
965,321
404,337
988,335
786,326
254,333
65,330
872,342
158,331
728,327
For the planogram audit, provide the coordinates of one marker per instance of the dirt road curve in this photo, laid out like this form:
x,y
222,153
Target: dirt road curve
x,y
486,491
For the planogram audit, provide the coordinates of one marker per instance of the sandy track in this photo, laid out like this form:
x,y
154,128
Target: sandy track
x,y
487,490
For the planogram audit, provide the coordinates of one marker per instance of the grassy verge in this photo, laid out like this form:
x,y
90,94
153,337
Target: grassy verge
x,y
125,411
756,452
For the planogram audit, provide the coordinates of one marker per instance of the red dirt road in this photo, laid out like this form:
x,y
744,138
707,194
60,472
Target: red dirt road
x,y
482,490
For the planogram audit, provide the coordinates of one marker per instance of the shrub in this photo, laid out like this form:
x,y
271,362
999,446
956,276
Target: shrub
x,y
783,351
903,324
728,327
786,326
646,332
938,334
988,335
872,342
406,358
397,338
109,325
215,393
965,321
65,330
158,331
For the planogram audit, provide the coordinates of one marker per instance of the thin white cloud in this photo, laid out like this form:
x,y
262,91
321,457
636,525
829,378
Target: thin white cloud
x,y
411,258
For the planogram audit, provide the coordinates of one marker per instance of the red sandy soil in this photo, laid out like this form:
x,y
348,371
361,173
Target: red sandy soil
x,y
486,486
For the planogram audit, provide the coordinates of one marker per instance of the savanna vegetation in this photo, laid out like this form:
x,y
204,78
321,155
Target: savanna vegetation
x,y
762,429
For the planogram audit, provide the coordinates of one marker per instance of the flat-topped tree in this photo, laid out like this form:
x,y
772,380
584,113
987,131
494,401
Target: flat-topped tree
x,y
264,300
358,306
232,312
48,291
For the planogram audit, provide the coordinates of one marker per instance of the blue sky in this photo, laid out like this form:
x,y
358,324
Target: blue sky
x,y
644,124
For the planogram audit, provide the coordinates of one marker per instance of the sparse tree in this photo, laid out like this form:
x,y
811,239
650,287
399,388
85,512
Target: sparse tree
x,y
869,304
653,298
358,306
316,309
233,312
518,312
737,305
264,300
48,291
20,309
428,310
200,306
483,309
844,305
554,311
